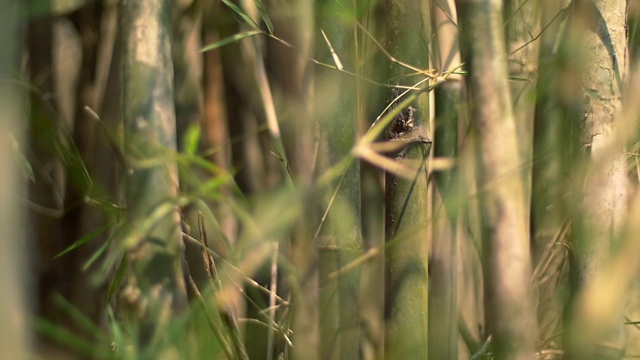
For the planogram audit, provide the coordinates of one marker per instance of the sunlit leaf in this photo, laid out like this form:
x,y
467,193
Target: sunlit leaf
x,y
379,125
393,166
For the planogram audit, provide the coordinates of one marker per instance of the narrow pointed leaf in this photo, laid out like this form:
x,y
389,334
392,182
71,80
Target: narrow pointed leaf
x,y
264,16
230,40
84,239
241,13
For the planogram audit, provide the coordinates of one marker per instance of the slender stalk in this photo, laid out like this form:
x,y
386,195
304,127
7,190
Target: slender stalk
x,y
507,265
407,200
340,240
601,27
294,72
443,302
15,337
150,133
552,142
523,23
272,299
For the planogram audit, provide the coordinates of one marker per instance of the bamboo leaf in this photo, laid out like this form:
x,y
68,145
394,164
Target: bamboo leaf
x,y
137,232
116,331
334,54
80,319
117,279
84,240
204,164
390,165
241,13
210,187
264,16
192,139
379,125
230,40
67,338
96,255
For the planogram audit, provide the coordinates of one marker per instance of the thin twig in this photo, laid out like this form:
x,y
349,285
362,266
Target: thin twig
x,y
483,349
285,336
329,205
272,299
209,263
561,12
430,74
112,142
247,280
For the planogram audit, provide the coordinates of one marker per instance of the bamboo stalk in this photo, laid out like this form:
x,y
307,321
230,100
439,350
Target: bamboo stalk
x,y
507,266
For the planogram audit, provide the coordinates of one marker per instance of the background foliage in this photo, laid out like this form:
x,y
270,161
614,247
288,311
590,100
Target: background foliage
x,y
319,179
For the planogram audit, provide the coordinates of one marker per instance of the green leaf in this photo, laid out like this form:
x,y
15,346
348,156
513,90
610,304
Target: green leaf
x,y
80,319
264,16
96,255
211,187
231,39
68,339
136,232
242,14
204,164
119,339
84,239
191,139
117,279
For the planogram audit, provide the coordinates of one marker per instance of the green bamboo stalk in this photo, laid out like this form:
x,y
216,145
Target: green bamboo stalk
x,y
155,277
295,72
406,200
341,240
443,302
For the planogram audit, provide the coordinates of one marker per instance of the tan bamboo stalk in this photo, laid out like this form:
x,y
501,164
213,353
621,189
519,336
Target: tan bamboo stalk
x,y
291,66
523,25
601,26
550,185
15,337
507,267
79,218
